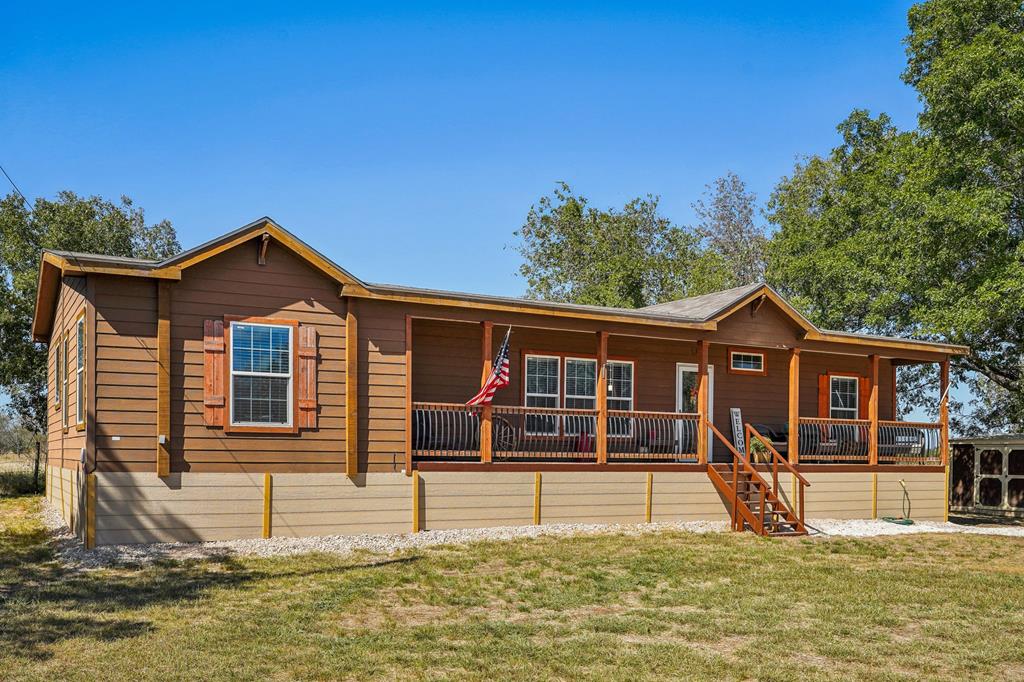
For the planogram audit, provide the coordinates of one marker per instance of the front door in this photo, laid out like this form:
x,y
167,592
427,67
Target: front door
x,y
686,393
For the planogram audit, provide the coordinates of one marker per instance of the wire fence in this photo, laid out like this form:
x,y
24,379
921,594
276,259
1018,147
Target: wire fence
x,y
23,473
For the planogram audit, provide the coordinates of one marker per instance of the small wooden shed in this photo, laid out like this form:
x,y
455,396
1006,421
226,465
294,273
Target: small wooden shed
x,y
987,474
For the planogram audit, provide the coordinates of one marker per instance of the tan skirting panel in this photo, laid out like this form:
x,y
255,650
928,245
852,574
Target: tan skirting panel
x,y
63,490
141,507
334,504
593,497
686,496
841,495
927,493
455,499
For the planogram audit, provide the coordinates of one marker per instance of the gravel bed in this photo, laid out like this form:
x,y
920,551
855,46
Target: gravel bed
x,y
69,550
861,528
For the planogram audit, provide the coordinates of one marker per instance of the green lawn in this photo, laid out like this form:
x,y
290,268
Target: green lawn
x,y
610,607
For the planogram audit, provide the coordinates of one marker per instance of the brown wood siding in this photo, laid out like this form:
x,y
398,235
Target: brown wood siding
x,y
126,365
767,327
446,365
381,361
232,283
64,446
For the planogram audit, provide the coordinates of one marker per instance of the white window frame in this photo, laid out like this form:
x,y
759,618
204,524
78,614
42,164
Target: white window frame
x,y
80,371
526,393
631,399
856,396
275,375
746,370
572,431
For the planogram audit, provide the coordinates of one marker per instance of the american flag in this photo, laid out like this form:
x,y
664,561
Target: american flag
x,y
497,378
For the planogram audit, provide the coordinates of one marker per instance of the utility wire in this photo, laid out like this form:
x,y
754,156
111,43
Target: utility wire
x,y
27,204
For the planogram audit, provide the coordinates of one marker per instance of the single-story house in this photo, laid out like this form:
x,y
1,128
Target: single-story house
x,y
252,387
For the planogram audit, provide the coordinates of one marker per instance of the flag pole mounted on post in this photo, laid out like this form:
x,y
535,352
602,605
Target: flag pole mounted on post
x,y
495,378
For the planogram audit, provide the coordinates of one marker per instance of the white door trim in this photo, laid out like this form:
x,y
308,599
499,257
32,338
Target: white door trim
x,y
692,367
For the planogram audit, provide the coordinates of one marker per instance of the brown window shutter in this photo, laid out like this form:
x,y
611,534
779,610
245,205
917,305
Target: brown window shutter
x,y
823,401
865,395
213,372
306,418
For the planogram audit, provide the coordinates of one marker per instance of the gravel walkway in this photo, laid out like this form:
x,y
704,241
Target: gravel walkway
x,y
70,552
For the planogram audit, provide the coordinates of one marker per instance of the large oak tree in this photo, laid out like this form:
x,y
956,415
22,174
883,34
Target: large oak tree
x,y
920,232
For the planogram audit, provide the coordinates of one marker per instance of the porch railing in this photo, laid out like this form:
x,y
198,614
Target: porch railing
x,y
451,432
844,441
909,443
445,431
652,436
543,434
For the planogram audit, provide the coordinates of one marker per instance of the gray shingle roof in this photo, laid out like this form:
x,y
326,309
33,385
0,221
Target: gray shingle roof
x,y
706,306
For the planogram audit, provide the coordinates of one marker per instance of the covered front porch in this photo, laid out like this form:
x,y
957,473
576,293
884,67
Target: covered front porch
x,y
582,399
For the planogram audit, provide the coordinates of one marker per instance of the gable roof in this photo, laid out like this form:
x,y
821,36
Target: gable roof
x,y
696,312
718,305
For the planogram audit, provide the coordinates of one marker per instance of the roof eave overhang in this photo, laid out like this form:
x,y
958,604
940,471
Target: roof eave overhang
x,y
526,307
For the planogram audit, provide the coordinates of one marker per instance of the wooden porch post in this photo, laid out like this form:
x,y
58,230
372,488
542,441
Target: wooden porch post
x,y
944,410
873,409
602,398
486,353
408,395
163,379
702,401
352,389
794,405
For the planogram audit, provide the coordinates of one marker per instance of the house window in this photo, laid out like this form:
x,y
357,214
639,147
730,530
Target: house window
x,y
620,395
57,376
580,394
80,372
746,362
64,382
843,397
261,374
542,373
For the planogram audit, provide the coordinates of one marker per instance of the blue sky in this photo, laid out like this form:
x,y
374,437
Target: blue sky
x,y
408,143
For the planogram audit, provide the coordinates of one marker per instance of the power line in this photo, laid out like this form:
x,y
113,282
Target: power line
x,y
27,204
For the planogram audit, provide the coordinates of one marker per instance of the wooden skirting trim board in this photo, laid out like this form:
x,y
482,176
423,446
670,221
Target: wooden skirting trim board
x,y
651,467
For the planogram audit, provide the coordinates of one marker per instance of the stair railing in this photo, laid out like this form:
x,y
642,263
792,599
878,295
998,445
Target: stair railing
x,y
776,460
740,461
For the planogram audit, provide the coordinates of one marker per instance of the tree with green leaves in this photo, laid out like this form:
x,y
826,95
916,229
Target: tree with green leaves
x,y
69,223
919,232
634,256
626,258
733,238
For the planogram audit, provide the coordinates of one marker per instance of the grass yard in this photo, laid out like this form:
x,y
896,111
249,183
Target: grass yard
x,y
609,607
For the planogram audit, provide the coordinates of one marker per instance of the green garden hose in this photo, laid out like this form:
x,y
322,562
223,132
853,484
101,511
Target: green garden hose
x,y
905,520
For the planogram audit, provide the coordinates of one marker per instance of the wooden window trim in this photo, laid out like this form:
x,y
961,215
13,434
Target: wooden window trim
x,y
844,375
229,427
56,376
64,383
81,345
747,351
